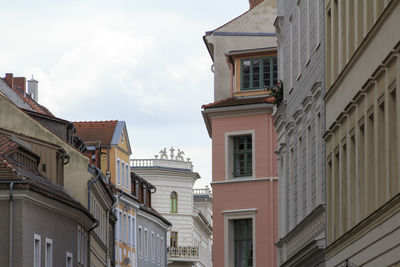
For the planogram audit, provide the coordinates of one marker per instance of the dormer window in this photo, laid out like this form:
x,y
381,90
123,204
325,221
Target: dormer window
x,y
259,73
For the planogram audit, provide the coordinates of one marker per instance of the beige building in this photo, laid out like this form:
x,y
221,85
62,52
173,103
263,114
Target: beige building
x,y
363,132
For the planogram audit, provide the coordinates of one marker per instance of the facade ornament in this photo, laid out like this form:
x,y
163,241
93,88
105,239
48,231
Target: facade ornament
x,y
172,149
279,29
163,153
179,155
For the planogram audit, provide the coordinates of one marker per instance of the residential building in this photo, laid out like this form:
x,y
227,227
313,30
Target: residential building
x,y
151,226
190,238
300,124
109,146
62,160
34,207
240,124
363,132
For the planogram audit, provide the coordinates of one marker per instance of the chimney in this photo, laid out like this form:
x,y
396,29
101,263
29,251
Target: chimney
x,y
253,3
20,84
33,89
9,79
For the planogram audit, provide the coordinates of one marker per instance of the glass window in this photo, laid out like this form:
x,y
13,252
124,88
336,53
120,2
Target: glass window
x,y
243,239
123,174
174,240
259,73
174,202
118,172
242,156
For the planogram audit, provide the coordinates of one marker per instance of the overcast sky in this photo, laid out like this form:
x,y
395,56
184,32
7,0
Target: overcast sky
x,y
143,62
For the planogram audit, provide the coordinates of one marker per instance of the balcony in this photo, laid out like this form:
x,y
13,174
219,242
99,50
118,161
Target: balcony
x,y
183,254
161,163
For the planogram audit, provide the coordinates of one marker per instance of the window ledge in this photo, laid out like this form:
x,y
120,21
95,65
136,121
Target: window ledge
x,y
308,62
245,179
318,45
298,77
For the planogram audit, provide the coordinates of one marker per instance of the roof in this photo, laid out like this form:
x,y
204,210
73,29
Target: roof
x,y
25,178
22,100
102,131
236,101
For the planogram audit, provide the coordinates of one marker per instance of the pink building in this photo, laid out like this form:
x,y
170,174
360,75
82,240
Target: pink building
x,y
240,123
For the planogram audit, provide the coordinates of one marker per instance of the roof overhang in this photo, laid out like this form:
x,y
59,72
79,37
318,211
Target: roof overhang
x,y
231,111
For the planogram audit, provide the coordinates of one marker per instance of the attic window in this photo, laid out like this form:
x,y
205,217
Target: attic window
x,y
24,159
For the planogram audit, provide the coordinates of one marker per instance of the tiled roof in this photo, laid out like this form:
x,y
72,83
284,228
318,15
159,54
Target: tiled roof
x,y
235,101
28,179
91,131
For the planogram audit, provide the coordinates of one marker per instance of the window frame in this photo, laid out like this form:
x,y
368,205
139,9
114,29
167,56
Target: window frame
x,y
245,152
37,244
174,204
229,158
261,73
48,255
229,217
175,237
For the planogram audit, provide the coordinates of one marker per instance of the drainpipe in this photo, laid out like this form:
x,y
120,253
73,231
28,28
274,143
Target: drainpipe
x,y
10,234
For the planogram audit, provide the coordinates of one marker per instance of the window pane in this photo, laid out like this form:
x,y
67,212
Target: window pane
x,y
275,71
243,242
246,74
267,72
256,74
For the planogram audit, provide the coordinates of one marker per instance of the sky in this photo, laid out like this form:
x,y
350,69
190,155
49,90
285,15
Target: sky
x,y
143,62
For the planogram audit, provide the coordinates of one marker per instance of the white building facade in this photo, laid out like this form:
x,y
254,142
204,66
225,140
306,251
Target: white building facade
x,y
189,241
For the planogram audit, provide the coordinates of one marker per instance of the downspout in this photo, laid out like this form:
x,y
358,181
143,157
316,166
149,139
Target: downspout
x,y
10,234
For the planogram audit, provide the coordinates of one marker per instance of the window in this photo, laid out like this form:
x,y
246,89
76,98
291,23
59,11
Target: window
x,y
118,172
243,239
133,239
36,250
146,245
125,225
153,247
49,253
242,156
140,241
259,73
240,238
174,240
68,259
127,175
174,202
123,173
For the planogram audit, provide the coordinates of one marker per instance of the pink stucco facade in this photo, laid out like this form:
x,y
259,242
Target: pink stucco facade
x,y
258,194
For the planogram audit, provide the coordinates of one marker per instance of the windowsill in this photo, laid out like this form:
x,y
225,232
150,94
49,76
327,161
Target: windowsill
x,y
318,45
245,179
298,77
290,91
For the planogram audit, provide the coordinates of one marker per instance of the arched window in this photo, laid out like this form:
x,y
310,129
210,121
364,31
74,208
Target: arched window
x,y
174,202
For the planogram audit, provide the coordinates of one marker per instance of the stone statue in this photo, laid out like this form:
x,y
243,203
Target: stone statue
x,y
163,153
172,152
179,155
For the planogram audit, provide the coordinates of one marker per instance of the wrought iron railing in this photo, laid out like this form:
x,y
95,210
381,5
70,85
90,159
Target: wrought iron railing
x,y
183,252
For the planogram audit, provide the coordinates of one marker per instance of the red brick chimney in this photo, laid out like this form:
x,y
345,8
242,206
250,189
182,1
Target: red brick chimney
x,y
15,82
253,3
9,79
20,82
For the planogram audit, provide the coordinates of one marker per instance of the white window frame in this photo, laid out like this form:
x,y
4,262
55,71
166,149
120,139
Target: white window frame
x,y
229,217
153,247
37,244
123,172
48,254
140,241
229,154
69,259
118,171
127,175
146,244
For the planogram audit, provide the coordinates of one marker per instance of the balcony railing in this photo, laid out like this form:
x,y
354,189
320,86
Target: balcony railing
x,y
165,163
183,252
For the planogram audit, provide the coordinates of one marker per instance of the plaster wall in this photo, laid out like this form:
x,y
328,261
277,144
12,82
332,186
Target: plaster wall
x,y
265,144
257,20
261,195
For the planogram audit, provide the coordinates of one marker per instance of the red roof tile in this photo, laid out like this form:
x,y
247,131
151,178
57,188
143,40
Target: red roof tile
x,y
233,101
7,145
90,131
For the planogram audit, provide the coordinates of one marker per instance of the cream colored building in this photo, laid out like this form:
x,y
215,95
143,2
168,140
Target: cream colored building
x,y
363,132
